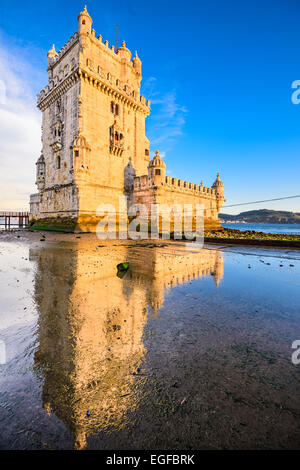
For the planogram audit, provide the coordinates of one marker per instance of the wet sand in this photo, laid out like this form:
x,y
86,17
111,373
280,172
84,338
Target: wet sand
x,y
189,349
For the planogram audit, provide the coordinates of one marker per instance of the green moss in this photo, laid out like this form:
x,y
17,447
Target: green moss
x,y
54,225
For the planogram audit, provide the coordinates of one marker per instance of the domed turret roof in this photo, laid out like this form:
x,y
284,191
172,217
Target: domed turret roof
x,y
41,159
52,53
157,160
84,13
123,52
136,58
218,182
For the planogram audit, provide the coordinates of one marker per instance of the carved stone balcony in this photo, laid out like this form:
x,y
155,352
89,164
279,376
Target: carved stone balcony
x,y
117,147
56,143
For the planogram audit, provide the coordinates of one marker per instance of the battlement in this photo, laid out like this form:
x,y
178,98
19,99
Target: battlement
x,y
73,39
99,75
145,182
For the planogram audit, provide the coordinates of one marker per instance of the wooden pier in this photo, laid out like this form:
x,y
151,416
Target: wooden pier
x,y
12,219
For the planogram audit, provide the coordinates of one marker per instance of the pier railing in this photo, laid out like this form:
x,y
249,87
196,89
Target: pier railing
x,y
19,219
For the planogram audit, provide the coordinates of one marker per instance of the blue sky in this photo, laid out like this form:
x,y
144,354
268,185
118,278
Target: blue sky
x,y
218,73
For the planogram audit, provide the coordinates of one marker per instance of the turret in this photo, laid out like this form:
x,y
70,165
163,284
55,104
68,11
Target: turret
x,y
40,173
84,22
219,187
157,169
137,64
124,53
51,56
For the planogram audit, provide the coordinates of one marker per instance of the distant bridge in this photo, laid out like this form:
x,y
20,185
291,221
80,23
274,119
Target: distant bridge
x,y
19,219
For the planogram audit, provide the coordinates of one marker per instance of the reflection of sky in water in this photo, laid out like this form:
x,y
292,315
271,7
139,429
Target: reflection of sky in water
x,y
211,330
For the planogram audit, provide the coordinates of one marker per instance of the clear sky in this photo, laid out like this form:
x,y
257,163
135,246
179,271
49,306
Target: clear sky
x,y
218,73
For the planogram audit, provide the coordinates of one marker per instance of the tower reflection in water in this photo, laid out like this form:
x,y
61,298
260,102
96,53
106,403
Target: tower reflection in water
x,y
91,325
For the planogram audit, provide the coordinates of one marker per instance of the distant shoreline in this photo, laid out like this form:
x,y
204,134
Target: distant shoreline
x,y
262,217
256,223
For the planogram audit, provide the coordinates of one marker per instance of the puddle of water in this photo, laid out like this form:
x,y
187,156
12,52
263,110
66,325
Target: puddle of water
x,y
186,350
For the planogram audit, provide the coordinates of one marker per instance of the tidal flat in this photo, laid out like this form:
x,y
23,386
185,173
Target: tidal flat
x,y
186,349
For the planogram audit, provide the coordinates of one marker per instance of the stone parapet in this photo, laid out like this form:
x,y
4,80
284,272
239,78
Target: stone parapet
x,y
144,182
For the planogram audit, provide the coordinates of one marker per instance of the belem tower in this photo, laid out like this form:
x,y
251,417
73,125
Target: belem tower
x,y
94,147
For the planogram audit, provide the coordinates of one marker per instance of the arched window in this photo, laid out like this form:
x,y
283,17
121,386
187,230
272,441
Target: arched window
x,y
58,163
112,107
83,21
157,172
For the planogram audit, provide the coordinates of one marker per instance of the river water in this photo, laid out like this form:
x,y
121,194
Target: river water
x,y
290,229
187,350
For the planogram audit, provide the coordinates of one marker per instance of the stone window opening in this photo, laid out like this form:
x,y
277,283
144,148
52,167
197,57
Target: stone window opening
x,y
116,140
83,21
57,130
76,153
118,136
157,171
58,163
114,108
147,152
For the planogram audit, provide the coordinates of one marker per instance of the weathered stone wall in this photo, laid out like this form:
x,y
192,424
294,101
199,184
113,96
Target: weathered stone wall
x,y
146,192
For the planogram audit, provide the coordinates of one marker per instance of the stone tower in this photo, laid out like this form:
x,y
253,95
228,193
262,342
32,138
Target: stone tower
x,y
94,147
93,129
